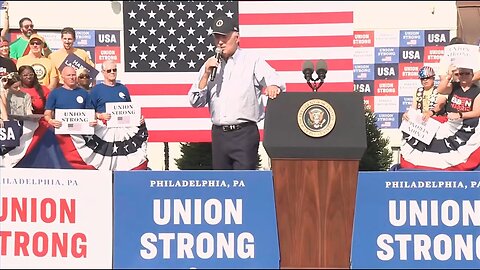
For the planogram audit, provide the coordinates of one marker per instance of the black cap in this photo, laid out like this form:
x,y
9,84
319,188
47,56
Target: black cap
x,y
224,25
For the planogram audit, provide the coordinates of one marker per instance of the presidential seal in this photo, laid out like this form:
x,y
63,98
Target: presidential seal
x,y
316,118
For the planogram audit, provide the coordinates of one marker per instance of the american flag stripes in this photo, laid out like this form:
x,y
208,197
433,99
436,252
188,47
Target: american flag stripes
x,y
166,42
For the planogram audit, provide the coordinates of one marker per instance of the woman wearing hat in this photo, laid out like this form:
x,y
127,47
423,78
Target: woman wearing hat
x,y
463,94
426,99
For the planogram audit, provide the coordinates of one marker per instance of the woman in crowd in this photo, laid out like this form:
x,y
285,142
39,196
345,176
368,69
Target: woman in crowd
x,y
463,96
16,102
84,80
5,49
31,86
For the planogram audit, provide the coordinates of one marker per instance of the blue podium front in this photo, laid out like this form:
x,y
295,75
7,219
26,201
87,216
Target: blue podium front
x,y
195,219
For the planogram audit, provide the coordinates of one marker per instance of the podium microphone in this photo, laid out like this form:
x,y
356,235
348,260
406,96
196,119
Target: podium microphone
x,y
307,69
321,69
218,54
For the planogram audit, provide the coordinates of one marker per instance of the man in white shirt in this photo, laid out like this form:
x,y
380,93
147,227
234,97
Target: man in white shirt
x,y
234,96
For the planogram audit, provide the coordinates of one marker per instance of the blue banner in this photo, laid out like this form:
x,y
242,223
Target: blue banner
x,y
363,72
417,220
10,133
412,38
195,219
84,38
386,55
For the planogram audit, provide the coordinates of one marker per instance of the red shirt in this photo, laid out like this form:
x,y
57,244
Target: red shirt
x,y
37,102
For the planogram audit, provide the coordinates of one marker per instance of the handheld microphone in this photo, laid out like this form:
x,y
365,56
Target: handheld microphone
x,y
321,69
218,54
307,69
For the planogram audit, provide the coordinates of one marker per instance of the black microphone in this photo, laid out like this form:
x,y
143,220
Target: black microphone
x,y
321,69
218,54
307,69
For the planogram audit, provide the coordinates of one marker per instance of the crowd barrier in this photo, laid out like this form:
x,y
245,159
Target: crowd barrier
x,y
56,218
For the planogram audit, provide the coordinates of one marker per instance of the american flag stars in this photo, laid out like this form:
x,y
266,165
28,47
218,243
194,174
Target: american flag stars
x,y
171,35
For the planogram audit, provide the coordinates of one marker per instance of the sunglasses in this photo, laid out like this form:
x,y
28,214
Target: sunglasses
x,y
111,70
36,43
84,76
426,79
462,73
28,26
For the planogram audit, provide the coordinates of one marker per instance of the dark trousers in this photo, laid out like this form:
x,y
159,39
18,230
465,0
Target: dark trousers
x,y
235,149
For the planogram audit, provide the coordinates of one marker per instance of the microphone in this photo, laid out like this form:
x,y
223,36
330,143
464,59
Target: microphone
x,y
307,69
218,53
321,69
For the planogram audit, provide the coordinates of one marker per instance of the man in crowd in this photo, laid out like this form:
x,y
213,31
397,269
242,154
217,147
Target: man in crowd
x,y
20,47
68,38
108,91
234,97
46,71
68,96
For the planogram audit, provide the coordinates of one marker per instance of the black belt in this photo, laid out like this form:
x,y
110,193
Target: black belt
x,y
235,126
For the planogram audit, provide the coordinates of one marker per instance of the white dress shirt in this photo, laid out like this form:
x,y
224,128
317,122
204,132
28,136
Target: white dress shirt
x,y
235,95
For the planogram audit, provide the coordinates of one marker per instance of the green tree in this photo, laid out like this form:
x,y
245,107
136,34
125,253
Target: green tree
x,y
198,156
377,156
195,156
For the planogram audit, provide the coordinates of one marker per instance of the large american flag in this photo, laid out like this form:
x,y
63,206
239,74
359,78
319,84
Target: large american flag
x,y
166,43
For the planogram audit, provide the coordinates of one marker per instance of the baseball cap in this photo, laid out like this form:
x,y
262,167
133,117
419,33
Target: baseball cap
x,y
223,25
36,36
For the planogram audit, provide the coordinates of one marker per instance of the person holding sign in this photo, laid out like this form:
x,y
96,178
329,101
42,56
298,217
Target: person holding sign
x,y
464,99
426,99
59,56
68,96
108,91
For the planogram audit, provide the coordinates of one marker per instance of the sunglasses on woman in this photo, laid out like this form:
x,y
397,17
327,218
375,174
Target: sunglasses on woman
x,y
84,76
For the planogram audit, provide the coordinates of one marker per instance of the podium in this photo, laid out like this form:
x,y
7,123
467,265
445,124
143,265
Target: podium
x,y
315,175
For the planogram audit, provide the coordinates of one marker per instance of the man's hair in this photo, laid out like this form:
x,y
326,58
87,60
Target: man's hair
x,y
68,30
456,40
20,23
108,62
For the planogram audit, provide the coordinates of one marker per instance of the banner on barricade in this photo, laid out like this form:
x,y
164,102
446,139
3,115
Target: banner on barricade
x,y
201,219
10,133
417,220
55,219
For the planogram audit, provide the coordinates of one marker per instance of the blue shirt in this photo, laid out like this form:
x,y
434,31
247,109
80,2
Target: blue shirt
x,y
235,95
61,98
102,93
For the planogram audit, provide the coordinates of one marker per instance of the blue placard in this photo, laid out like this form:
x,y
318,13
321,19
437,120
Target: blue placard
x,y
412,38
411,55
362,72
387,120
107,38
200,219
405,102
386,71
386,55
365,87
417,220
437,37
10,133
84,38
